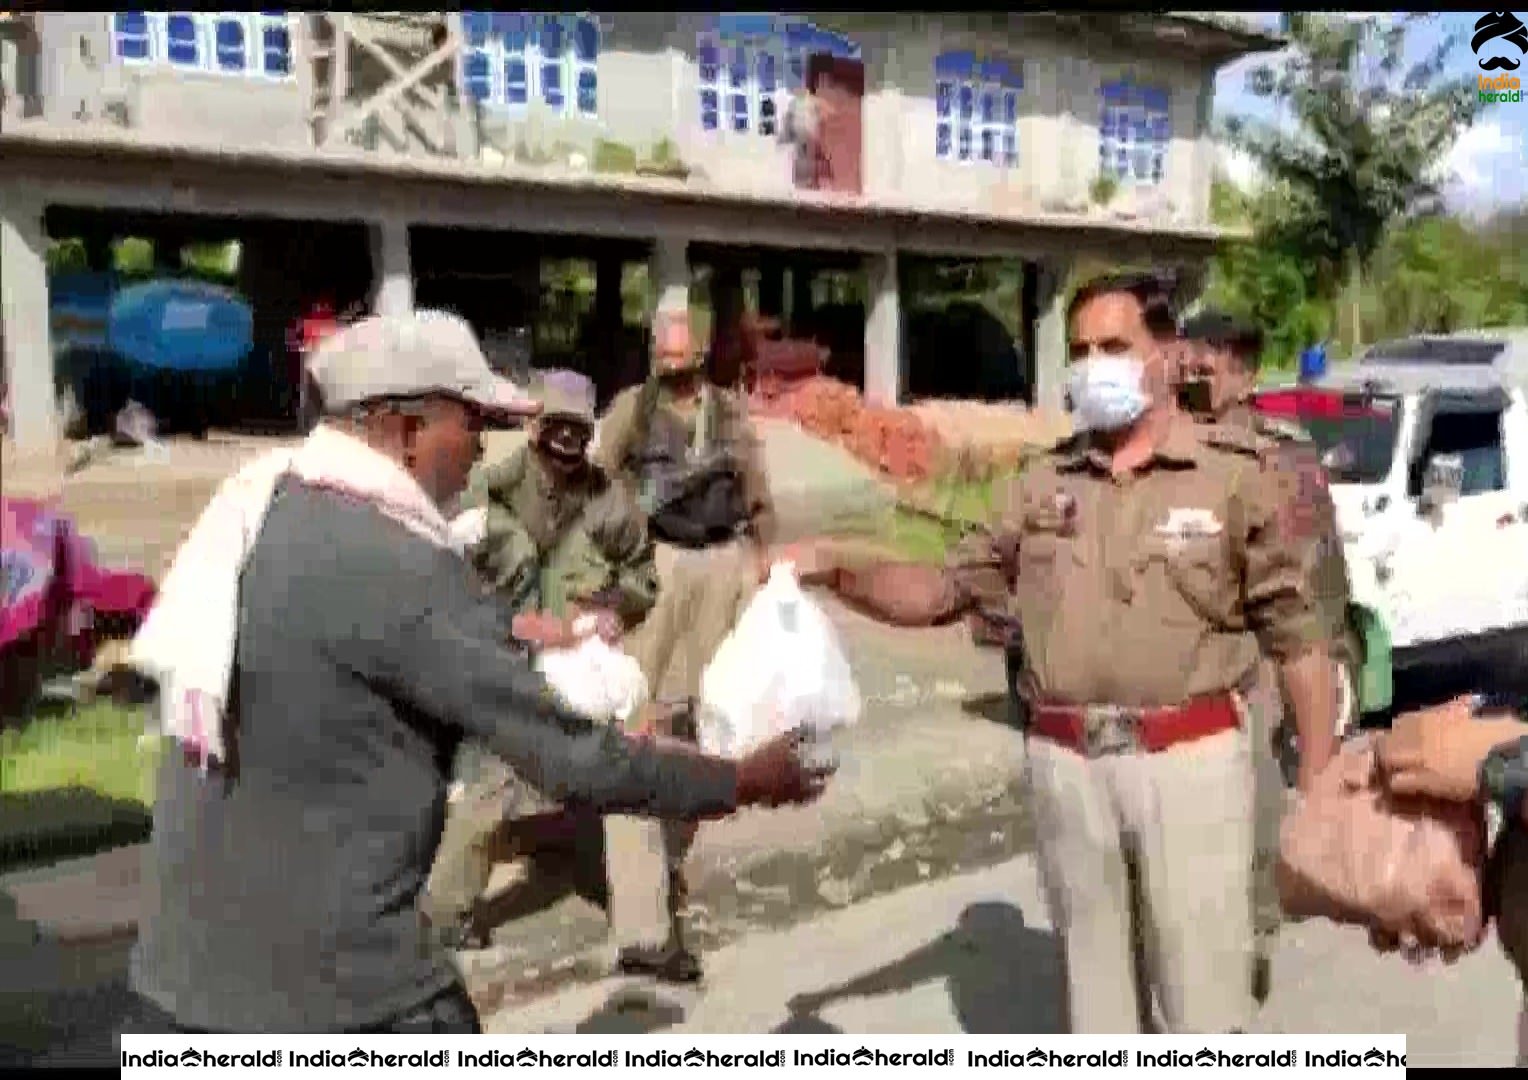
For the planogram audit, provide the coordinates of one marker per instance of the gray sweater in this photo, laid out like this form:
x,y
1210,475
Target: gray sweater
x,y
281,897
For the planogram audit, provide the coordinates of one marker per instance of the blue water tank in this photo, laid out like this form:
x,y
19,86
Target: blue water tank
x,y
1313,363
181,326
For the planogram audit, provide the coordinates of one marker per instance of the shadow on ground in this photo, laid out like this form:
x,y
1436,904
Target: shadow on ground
x,y
59,1005
1003,976
631,1013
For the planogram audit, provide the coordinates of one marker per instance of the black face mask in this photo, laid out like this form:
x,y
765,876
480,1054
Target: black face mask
x,y
1196,396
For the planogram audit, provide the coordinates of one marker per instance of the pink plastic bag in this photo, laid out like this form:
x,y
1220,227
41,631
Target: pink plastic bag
x,y
1353,853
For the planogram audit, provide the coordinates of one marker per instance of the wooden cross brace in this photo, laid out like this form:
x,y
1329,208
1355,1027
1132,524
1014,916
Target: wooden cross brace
x,y
405,79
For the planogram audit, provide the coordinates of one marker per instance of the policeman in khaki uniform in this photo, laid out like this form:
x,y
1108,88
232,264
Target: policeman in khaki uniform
x,y
1148,563
554,537
684,445
1220,375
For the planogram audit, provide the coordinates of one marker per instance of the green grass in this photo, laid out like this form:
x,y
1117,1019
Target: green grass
x,y
73,783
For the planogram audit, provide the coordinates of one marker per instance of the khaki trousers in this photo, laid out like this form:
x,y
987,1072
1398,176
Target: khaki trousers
x,y
1152,850
700,596
477,836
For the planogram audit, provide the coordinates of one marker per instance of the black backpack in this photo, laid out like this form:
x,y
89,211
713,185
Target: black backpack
x,y
688,502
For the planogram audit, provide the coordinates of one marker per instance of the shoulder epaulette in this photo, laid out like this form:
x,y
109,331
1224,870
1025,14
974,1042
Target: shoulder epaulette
x,y
1276,427
1237,439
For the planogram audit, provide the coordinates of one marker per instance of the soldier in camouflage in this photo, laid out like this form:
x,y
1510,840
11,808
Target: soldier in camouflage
x,y
555,538
1220,369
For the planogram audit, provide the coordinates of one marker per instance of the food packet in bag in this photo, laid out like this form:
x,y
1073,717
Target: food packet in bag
x,y
782,668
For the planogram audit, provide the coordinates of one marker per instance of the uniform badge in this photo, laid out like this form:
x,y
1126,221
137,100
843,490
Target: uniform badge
x,y
1187,523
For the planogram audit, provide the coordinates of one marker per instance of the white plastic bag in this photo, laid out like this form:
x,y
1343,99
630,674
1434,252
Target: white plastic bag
x,y
594,678
781,668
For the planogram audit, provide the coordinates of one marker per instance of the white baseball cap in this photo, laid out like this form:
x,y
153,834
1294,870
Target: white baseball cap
x,y
412,356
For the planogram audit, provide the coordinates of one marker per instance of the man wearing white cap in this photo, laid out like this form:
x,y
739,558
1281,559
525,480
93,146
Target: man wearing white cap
x,y
321,652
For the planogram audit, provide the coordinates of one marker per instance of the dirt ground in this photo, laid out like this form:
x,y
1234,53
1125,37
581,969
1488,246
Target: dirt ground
x,y
137,509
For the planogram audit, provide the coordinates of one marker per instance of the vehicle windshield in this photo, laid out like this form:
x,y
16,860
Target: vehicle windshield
x,y
1356,433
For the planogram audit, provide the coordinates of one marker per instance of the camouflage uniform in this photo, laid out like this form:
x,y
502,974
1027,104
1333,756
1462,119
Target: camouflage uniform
x,y
548,542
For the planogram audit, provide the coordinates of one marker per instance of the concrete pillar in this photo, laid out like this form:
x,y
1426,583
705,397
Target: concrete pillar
x,y
1050,334
392,268
670,274
884,374
25,343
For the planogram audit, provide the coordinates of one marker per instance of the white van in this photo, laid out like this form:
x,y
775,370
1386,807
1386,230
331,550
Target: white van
x,y
1425,441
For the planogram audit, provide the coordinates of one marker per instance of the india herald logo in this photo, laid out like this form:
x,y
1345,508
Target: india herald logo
x,y
1503,26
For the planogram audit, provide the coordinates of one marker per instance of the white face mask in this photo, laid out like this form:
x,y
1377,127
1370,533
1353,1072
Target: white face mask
x,y
1107,392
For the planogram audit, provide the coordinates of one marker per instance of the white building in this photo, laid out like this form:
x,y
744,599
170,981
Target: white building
x,y
633,136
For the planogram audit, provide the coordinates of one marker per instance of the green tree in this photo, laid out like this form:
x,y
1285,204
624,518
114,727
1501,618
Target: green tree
x,y
1370,129
1269,279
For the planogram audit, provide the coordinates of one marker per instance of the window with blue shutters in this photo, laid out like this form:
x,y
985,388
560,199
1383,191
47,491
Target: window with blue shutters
x,y
1134,132
513,58
976,109
276,43
181,39
230,45
219,42
130,36
747,64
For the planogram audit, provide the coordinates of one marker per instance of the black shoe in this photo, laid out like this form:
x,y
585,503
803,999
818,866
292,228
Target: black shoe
x,y
669,963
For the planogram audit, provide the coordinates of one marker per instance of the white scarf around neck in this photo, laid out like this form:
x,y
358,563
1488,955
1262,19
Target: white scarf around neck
x,y
187,642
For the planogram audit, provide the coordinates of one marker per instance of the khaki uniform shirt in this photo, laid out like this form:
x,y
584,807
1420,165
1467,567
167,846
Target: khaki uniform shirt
x,y
1150,588
620,429
1299,466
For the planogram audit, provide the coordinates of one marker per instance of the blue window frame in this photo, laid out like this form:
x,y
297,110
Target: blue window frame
x,y
1134,132
218,42
517,81
276,45
976,109
230,45
130,36
477,76
745,62
515,57
182,40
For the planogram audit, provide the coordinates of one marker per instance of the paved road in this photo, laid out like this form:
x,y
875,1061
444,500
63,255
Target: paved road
x,y
974,953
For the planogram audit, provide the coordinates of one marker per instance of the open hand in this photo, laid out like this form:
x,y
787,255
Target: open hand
x,y
775,774
1438,751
